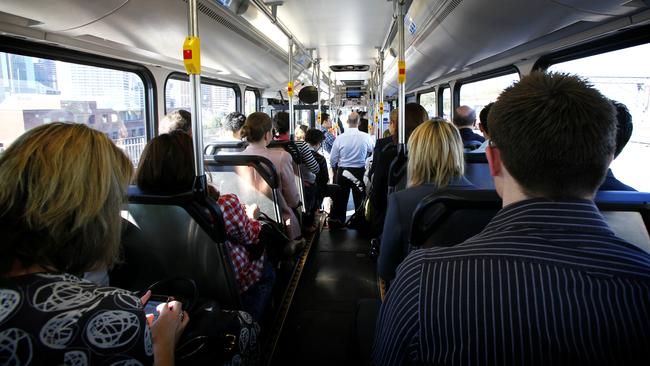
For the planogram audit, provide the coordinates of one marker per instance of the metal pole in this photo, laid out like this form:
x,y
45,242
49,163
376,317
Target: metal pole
x,y
401,138
291,116
318,113
381,93
200,183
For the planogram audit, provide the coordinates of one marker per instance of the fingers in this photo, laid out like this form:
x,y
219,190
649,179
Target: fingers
x,y
150,318
145,297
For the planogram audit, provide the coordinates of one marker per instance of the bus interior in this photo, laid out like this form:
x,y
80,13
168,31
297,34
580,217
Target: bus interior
x,y
117,65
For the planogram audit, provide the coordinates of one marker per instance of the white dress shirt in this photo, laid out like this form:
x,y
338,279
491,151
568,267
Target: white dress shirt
x,y
351,148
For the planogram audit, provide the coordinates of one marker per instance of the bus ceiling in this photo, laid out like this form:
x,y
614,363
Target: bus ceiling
x,y
443,38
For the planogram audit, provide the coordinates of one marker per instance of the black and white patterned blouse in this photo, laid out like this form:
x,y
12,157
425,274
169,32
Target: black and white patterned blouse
x,y
60,319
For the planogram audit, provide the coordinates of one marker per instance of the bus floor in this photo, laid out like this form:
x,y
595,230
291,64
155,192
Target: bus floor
x,y
319,327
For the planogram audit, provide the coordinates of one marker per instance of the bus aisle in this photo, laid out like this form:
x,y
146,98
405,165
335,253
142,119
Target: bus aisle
x,y
319,327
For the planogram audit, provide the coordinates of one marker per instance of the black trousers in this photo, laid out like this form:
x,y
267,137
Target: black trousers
x,y
348,179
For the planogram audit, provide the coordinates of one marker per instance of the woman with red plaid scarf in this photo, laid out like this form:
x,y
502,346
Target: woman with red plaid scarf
x,y
166,166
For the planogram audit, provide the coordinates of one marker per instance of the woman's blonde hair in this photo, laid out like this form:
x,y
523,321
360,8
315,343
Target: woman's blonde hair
x,y
62,189
435,154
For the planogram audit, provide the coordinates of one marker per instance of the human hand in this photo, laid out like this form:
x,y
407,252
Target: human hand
x,y
252,211
167,329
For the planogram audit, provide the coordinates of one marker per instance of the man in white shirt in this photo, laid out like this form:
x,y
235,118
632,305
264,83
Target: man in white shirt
x,y
348,158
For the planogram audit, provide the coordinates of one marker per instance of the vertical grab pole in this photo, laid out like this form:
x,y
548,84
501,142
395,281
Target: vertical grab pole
x,y
329,88
381,93
401,76
292,127
192,62
318,89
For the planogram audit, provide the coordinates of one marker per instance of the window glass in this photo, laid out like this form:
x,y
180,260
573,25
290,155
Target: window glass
x,y
480,93
623,75
428,101
446,103
216,103
250,102
35,91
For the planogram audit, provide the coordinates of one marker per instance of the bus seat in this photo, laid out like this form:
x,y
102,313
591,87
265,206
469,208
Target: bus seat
x,y
179,236
252,178
397,174
477,170
218,147
438,217
451,216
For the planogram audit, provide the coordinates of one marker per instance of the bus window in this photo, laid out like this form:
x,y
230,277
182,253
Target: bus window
x,y
35,91
629,83
479,93
428,101
446,103
216,102
250,102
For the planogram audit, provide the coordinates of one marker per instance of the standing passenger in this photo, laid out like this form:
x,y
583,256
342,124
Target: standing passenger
x,y
546,282
348,157
326,127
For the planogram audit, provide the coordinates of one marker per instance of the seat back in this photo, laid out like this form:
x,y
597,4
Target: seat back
x,y
180,236
252,178
449,217
397,173
291,148
471,145
477,171
218,147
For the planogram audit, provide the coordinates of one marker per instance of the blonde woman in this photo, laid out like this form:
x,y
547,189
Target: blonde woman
x,y
62,188
435,161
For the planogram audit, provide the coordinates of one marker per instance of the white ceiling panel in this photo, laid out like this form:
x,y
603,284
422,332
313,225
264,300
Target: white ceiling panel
x,y
342,31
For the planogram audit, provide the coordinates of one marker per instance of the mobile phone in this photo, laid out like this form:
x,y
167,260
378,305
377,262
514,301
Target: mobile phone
x,y
152,304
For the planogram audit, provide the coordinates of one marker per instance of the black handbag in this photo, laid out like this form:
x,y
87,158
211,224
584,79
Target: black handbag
x,y
213,335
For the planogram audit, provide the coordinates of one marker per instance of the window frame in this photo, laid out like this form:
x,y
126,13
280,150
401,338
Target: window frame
x,y
46,51
207,81
502,71
258,99
623,39
439,96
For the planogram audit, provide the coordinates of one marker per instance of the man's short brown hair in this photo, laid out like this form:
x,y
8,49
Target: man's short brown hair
x,y
556,134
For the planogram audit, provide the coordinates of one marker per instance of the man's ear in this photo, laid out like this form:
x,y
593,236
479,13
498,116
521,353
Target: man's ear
x,y
493,156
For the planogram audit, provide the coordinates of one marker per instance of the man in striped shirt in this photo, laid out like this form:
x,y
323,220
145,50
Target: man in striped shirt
x,y
547,282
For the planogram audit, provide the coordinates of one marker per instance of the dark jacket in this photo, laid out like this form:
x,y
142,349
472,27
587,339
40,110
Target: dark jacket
x,y
379,189
397,225
468,135
363,125
379,146
612,184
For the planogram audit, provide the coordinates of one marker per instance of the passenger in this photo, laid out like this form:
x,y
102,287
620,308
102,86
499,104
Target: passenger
x,y
300,132
257,131
381,143
547,281
435,162
281,124
314,138
623,134
348,159
483,126
177,120
167,167
339,123
63,186
465,120
233,122
326,127
363,122
414,115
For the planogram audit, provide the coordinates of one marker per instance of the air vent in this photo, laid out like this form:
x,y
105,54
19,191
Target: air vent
x,y
248,35
435,19
353,82
342,68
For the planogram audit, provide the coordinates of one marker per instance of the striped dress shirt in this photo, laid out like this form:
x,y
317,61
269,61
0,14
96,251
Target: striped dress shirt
x,y
545,283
